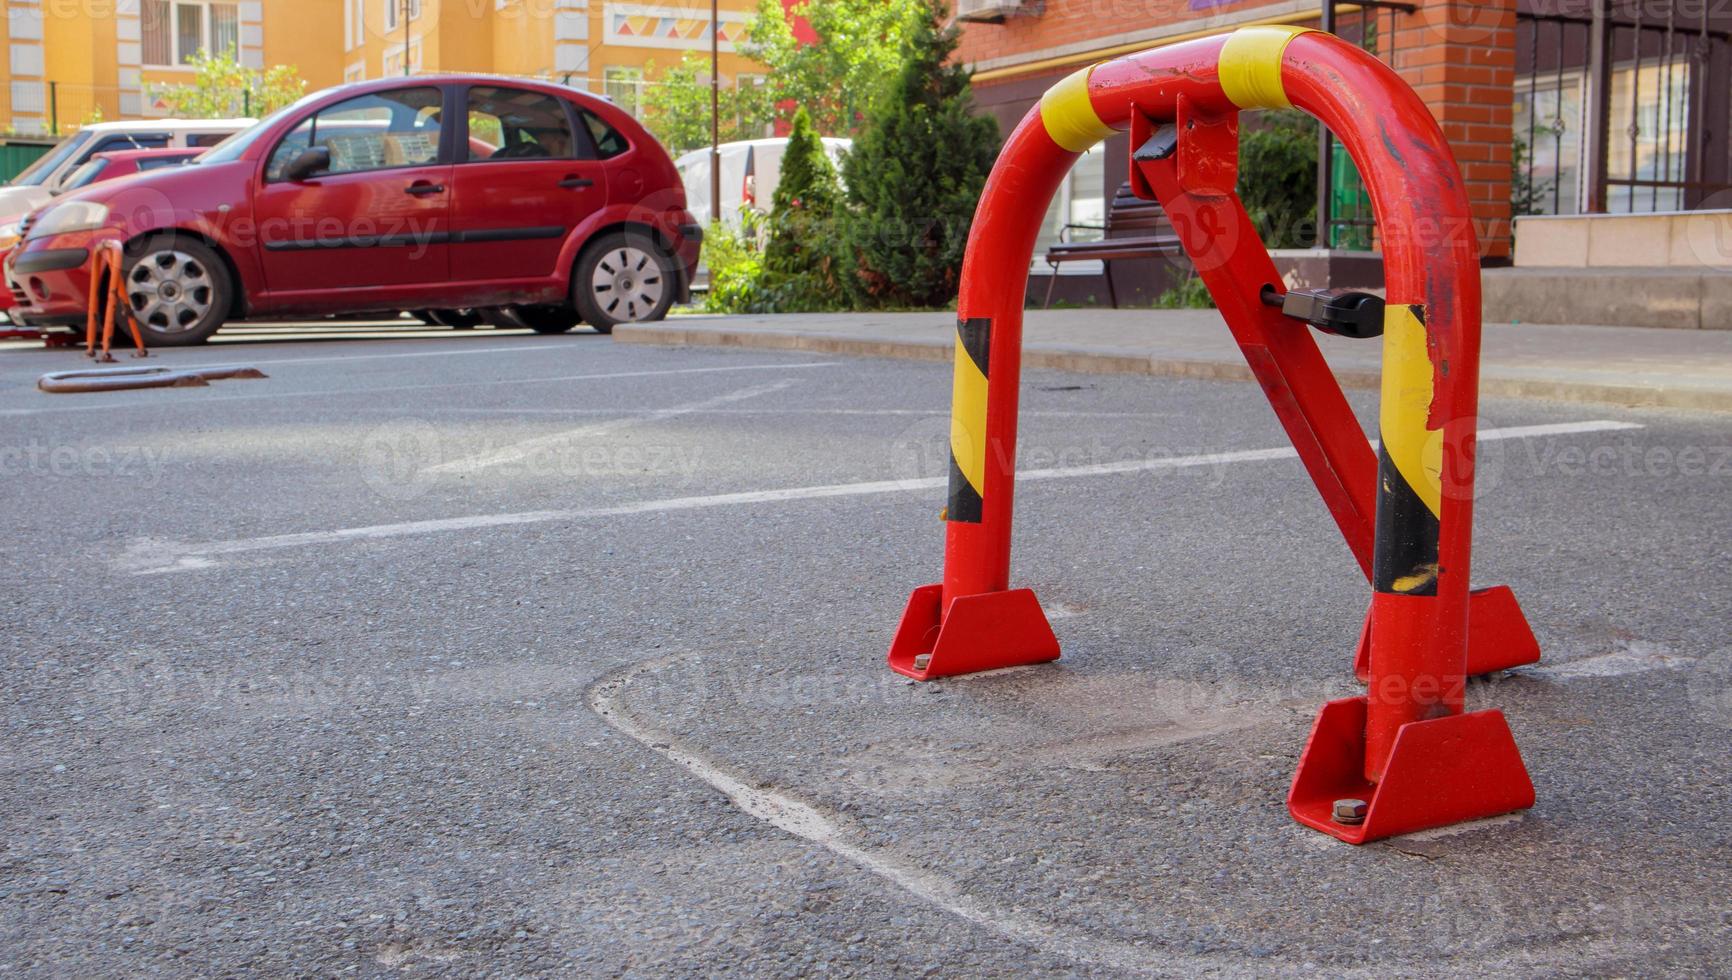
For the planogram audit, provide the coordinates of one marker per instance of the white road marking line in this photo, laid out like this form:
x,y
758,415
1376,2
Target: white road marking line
x,y
1631,657
1556,429
150,556
1457,829
323,358
363,391
529,447
802,820
912,412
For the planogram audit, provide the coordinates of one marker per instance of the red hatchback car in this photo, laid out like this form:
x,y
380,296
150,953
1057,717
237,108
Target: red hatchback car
x,y
438,193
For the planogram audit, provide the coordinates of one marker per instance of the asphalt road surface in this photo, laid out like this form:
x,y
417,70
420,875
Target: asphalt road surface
x,y
461,654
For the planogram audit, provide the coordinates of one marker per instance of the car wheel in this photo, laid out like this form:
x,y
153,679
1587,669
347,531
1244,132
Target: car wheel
x,y
622,278
179,290
455,319
547,319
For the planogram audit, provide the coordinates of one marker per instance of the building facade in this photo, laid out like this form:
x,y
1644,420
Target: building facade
x,y
1550,106
73,61
601,45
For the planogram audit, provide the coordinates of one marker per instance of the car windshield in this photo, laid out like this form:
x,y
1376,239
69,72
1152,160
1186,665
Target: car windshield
x,y
38,173
85,174
235,146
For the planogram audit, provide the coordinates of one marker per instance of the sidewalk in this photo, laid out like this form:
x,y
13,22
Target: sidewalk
x,y
1627,366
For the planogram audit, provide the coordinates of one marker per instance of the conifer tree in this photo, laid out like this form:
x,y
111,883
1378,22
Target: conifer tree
x,y
800,259
915,175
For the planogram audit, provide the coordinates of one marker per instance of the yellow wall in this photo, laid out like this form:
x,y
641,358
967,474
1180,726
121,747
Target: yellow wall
x,y
6,83
93,48
557,39
309,35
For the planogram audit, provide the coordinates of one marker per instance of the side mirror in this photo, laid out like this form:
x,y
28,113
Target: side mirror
x,y
310,161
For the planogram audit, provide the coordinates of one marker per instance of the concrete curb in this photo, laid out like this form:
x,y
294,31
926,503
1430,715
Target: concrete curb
x,y
1084,360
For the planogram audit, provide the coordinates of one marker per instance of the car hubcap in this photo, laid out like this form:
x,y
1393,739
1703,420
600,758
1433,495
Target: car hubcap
x,y
170,291
627,284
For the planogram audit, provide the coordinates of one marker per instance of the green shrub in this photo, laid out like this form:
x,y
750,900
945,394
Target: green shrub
x,y
1188,295
1278,176
801,256
736,263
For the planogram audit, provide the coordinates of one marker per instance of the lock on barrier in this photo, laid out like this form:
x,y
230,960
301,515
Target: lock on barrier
x,y
1406,756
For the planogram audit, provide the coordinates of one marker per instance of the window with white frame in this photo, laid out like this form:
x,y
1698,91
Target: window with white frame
x,y
1548,137
1646,143
394,59
624,85
394,12
175,31
1080,205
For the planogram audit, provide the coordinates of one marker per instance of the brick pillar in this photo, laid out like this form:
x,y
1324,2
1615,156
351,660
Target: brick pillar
x,y
1459,55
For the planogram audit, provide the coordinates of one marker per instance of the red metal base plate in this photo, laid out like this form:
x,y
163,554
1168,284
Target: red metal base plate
x,y
1498,635
983,632
1442,771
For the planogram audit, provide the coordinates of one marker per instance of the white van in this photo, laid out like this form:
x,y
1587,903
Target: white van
x,y
42,179
751,169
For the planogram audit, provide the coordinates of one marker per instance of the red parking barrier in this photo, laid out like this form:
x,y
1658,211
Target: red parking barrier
x,y
1406,756
108,299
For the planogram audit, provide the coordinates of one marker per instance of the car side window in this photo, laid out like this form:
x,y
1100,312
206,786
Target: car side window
x,y
161,164
132,141
379,131
517,124
206,139
608,141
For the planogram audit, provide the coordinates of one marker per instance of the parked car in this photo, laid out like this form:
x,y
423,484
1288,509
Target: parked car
x,y
39,182
434,193
101,167
751,169
112,166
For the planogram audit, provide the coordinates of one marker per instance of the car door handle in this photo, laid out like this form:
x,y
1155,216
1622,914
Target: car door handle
x,y
575,182
423,189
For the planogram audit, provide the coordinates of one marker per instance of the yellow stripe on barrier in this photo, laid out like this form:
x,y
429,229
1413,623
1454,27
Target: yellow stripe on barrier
x,y
1408,375
1250,66
1069,117
968,420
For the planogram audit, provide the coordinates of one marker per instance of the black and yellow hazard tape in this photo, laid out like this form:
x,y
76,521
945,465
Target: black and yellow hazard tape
x,y
968,421
1410,460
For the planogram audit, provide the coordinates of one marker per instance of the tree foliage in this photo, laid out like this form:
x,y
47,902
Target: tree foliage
x,y
736,263
223,88
1278,177
802,264
677,106
835,80
916,172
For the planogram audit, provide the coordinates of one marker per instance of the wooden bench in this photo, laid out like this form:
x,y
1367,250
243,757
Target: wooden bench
x,y
1135,229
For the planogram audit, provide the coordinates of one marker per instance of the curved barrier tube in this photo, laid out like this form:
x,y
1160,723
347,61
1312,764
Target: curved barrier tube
x,y
1420,487
131,378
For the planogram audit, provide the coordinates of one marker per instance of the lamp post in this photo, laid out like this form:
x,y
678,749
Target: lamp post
x,y
715,113
406,4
